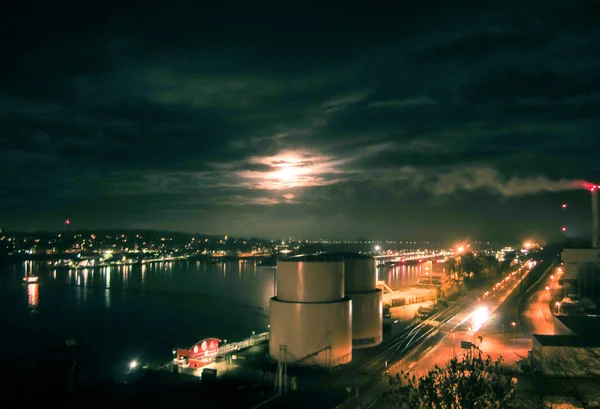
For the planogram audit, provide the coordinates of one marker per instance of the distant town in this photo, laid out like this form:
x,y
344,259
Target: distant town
x,y
129,246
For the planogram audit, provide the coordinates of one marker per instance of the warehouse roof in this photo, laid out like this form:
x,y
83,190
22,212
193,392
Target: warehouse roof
x,y
566,341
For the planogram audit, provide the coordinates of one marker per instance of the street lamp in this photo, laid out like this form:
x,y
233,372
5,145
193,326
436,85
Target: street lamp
x,y
454,343
513,325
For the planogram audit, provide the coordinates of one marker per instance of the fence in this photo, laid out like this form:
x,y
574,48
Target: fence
x,y
248,342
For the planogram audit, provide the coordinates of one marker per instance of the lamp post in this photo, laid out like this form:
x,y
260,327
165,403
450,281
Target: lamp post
x,y
513,325
454,343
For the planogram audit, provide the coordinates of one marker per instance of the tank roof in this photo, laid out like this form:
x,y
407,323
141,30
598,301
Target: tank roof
x,y
340,256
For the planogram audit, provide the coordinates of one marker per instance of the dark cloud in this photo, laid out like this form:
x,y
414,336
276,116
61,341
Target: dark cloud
x,y
312,119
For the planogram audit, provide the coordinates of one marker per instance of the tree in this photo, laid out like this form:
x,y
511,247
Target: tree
x,y
468,383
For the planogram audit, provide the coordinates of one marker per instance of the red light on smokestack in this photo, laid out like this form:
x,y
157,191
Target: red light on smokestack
x,y
564,206
564,229
67,221
594,191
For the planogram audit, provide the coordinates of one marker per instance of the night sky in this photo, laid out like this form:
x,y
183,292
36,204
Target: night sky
x,y
430,121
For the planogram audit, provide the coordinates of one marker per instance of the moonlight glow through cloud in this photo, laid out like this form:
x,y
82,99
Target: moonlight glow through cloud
x,y
171,124
289,170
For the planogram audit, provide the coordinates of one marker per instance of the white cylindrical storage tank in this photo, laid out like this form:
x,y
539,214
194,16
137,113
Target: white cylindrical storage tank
x,y
312,333
360,284
367,319
300,279
360,274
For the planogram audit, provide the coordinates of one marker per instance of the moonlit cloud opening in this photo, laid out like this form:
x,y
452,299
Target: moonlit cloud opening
x,y
170,124
292,169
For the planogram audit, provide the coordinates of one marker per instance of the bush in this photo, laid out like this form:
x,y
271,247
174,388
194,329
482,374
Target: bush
x,y
469,383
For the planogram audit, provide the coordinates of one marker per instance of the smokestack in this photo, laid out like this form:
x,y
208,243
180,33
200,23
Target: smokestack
x,y
594,190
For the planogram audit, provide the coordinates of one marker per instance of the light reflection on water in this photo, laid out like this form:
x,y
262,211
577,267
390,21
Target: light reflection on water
x,y
187,277
33,296
123,312
408,275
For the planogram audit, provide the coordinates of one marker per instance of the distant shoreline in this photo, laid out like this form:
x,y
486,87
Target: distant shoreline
x,y
200,257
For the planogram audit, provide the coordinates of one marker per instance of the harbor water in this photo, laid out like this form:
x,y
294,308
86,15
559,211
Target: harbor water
x,y
138,312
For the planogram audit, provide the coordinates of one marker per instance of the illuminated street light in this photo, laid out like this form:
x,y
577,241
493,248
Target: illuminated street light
x,y
460,249
377,248
133,364
479,317
513,325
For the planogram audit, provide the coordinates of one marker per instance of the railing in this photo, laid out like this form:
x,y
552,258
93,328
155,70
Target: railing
x,y
247,343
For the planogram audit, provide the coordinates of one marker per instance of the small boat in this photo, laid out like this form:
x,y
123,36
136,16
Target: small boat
x,y
30,279
268,262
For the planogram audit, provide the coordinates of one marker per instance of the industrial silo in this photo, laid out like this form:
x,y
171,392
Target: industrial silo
x,y
310,317
367,308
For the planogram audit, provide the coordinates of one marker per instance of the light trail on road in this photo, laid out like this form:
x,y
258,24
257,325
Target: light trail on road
x,y
415,338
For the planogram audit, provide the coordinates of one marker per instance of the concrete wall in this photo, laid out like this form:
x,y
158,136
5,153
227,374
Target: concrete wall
x,y
560,328
574,258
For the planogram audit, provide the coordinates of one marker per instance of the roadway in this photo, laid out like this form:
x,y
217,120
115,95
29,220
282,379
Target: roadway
x,y
436,340
535,313
507,332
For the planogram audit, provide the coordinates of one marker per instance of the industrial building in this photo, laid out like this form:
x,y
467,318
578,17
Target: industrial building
x,y
582,266
310,316
573,351
582,272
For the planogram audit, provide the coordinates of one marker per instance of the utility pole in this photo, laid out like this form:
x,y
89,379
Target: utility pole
x,y
454,343
513,326
281,377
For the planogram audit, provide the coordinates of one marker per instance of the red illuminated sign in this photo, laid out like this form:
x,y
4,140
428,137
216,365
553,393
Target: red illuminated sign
x,y
206,347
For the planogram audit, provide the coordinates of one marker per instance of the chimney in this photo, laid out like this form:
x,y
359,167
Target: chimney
x,y
594,190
